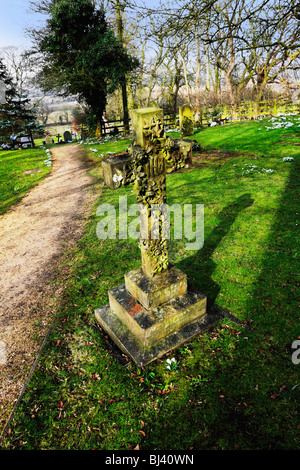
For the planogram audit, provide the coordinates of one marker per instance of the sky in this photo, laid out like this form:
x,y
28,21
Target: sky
x,y
14,18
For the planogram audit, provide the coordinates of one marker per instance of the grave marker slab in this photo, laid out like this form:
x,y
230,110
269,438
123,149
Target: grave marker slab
x,y
186,120
67,136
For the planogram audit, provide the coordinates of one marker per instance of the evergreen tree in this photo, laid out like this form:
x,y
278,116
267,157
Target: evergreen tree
x,y
16,116
81,55
5,121
4,77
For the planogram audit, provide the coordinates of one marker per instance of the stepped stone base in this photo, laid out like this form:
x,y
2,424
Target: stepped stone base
x,y
146,334
152,292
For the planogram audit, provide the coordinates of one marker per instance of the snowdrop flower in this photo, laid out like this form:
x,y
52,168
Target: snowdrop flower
x,y
117,178
171,364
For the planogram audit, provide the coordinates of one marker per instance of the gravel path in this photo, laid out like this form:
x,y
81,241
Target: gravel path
x,y
32,237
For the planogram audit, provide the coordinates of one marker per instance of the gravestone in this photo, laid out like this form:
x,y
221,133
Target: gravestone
x,y
67,136
186,120
153,311
198,117
84,133
98,132
48,139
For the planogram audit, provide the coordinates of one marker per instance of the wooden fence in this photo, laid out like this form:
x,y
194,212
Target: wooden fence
x,y
221,114
251,110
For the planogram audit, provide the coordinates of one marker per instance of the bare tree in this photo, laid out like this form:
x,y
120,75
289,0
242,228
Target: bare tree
x,y
43,112
247,41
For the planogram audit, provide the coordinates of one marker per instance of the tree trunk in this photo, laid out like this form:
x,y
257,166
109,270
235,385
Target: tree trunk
x,y
260,84
119,11
140,78
207,70
187,86
197,78
230,88
153,72
175,94
130,94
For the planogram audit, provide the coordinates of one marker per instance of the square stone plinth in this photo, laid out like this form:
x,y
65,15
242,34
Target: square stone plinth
x,y
152,292
115,168
144,335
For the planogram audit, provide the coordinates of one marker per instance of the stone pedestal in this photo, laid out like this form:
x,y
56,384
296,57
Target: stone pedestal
x,y
146,317
115,170
155,291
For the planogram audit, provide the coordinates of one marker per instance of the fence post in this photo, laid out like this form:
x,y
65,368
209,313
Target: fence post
x,y
250,110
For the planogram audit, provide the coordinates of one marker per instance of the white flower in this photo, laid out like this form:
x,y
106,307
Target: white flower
x,y
288,159
169,361
171,364
117,178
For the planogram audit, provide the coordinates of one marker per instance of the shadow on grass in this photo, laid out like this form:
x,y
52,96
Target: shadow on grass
x,y
200,267
251,399
273,306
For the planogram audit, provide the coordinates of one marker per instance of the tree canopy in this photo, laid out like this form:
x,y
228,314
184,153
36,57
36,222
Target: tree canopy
x,y
201,51
80,55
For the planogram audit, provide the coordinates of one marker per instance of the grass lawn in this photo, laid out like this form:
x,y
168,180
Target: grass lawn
x,y
233,387
110,145
16,175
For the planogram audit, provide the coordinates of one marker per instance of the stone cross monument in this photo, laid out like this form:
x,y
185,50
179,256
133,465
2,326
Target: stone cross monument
x,y
154,310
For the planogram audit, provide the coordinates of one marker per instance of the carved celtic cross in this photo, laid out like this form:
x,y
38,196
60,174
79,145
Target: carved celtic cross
x,y
149,175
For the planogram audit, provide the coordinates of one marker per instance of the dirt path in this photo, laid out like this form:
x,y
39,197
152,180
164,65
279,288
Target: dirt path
x,y
32,237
